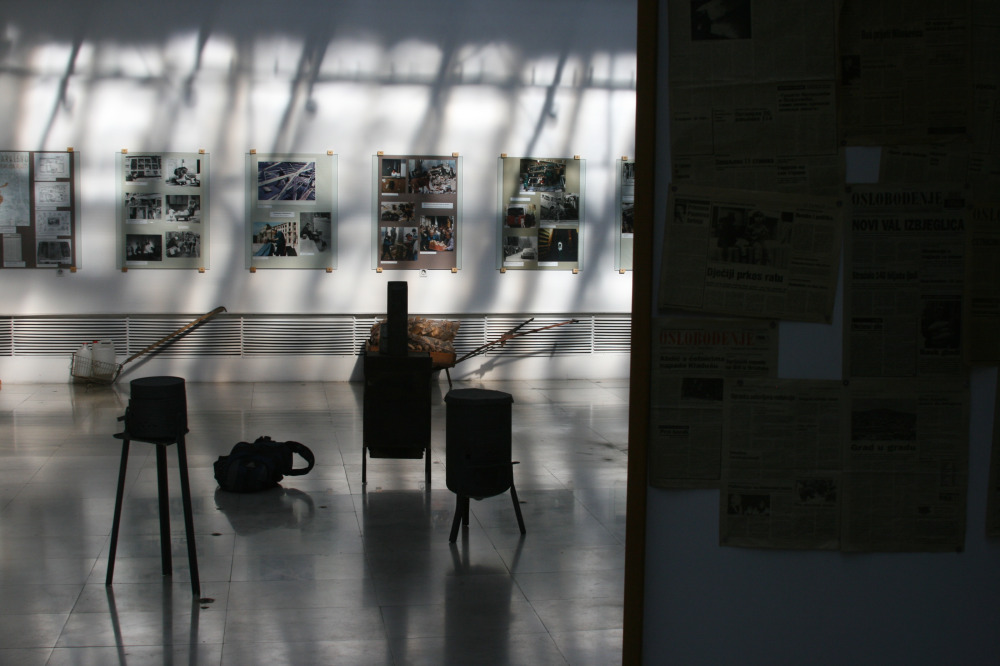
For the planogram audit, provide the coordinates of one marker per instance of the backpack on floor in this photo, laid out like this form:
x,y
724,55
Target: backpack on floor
x,y
252,467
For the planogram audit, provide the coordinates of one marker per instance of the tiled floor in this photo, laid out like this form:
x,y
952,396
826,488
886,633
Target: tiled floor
x,y
323,570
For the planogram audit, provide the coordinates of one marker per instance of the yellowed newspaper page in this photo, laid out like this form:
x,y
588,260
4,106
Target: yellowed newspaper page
x,y
905,72
782,464
753,94
692,359
906,465
904,281
751,254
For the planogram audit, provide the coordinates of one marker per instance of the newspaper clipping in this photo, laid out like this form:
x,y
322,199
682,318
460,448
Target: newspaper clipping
x,y
782,464
906,466
905,75
985,161
754,107
904,280
993,492
693,357
981,314
751,254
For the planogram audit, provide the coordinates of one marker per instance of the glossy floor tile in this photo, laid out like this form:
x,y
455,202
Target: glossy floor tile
x,y
324,569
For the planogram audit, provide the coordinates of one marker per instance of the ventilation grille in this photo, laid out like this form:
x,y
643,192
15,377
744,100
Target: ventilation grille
x,y
59,336
305,335
299,336
215,337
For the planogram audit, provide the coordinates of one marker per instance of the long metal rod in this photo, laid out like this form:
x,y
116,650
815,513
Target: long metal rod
x,y
510,335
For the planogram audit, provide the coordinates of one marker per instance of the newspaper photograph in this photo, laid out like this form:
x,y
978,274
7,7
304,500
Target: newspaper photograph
x,y
906,466
751,254
753,94
692,359
903,282
993,491
781,464
905,76
981,313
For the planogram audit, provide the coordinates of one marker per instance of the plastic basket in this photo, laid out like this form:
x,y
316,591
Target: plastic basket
x,y
89,371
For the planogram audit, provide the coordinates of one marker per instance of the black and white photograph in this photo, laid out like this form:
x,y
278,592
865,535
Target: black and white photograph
x,y
182,245
543,175
941,324
53,223
286,181
143,168
558,245
182,171
720,19
437,233
52,166
560,207
141,207
520,248
740,504
143,247
183,208
708,389
744,236
52,194
315,233
884,420
432,176
53,252
628,174
816,491
628,218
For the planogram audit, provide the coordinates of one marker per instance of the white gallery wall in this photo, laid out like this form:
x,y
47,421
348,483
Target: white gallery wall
x,y
551,79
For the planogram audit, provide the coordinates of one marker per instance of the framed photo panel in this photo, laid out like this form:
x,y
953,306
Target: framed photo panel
x,y
541,213
162,204
291,210
624,203
416,212
39,209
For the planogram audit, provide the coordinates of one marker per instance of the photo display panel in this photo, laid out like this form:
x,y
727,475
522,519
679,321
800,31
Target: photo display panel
x,y
625,203
39,220
417,211
291,210
162,204
540,213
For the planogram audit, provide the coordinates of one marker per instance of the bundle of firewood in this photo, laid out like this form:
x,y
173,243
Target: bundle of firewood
x,y
428,335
